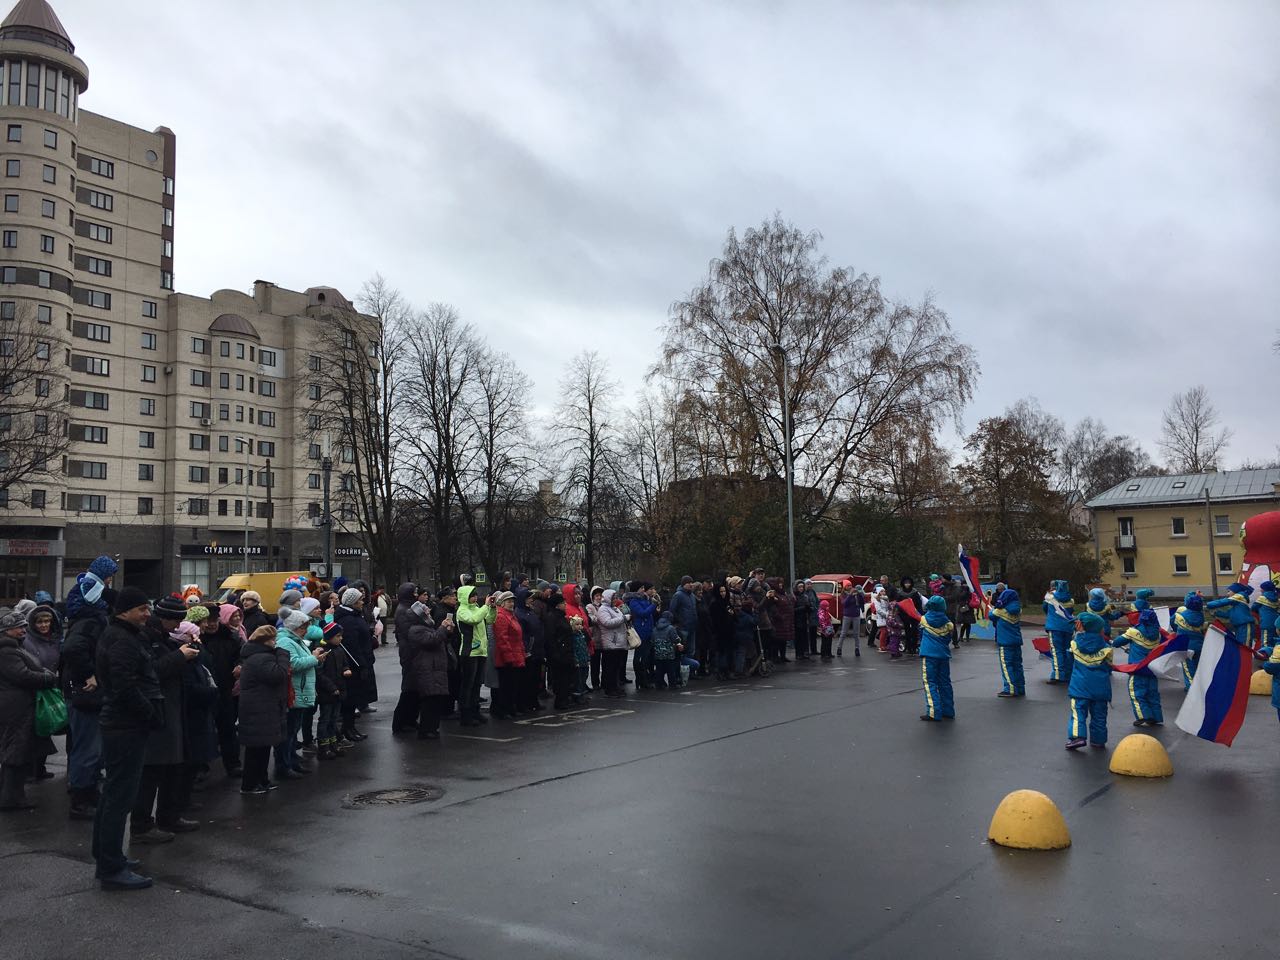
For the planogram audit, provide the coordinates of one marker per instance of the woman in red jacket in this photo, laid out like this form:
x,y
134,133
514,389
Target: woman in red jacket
x,y
508,657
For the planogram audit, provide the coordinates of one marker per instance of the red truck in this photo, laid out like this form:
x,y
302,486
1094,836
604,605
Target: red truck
x,y
829,586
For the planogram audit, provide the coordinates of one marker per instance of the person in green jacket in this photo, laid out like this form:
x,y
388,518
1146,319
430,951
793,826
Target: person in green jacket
x,y
302,675
474,619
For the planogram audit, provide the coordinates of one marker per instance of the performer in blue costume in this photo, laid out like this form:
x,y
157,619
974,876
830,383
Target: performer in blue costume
x,y
1142,599
1101,606
1144,691
1189,621
1234,610
1272,666
1090,687
935,661
1006,618
1266,607
1059,622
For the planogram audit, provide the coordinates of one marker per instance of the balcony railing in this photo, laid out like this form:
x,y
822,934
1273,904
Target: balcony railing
x,y
1126,541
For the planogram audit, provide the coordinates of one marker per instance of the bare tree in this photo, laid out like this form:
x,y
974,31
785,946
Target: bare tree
x,y
585,437
33,403
854,361
355,401
1190,439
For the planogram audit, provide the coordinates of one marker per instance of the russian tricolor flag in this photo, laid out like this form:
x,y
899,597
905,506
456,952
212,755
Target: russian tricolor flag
x,y
969,570
1164,661
1215,705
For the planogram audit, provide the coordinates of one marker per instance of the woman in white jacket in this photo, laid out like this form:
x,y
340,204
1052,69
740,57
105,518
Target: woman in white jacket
x,y
881,602
613,642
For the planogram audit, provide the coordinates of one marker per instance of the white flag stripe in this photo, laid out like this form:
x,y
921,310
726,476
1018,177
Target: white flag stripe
x,y
1191,716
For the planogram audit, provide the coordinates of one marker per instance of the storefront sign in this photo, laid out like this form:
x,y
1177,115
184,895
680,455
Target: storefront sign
x,y
350,552
33,548
221,550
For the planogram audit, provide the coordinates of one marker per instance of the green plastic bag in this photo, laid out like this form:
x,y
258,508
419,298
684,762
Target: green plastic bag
x,y
51,713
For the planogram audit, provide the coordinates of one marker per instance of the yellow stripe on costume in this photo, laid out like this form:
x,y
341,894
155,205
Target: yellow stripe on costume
x,y
1135,635
940,631
1091,659
1005,615
924,675
1133,696
1075,720
1004,669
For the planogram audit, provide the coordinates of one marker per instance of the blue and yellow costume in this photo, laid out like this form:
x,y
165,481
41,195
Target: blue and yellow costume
x,y
1090,686
1060,623
1006,617
1142,599
1272,666
1099,605
1189,621
1144,691
935,661
1266,607
1235,612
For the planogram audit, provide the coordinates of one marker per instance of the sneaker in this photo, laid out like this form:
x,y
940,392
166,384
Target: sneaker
x,y
925,716
857,651
181,825
1004,694
1076,743
154,835
126,879
1098,746
257,791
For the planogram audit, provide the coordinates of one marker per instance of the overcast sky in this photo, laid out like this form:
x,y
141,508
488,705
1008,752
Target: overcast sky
x,y
1090,190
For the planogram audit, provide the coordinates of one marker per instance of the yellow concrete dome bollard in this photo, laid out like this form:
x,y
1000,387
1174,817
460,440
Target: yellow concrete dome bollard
x,y
1028,820
1260,683
1139,755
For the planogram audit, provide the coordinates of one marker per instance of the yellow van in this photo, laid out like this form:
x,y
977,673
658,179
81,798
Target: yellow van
x,y
269,586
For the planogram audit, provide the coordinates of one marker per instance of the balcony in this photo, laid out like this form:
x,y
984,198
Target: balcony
x,y
1126,541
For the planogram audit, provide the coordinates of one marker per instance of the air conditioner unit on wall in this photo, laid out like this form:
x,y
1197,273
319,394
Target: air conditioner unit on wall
x,y
206,422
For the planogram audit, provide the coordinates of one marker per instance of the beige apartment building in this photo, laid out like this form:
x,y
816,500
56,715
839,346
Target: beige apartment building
x,y
174,404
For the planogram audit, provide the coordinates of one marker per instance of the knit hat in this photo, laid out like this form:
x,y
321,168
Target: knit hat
x,y
251,595
1146,593
686,579
263,633
184,632
339,583
1148,618
170,608
290,598
1241,588
11,619
309,605
1194,602
104,568
314,633
296,622
1267,586
331,630
1097,593
198,614
24,607
503,596
350,596
43,596
129,598
1092,623
936,605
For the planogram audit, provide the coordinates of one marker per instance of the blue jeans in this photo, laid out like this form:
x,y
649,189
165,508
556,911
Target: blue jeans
x,y
667,671
287,751
84,760
583,670
327,727
123,753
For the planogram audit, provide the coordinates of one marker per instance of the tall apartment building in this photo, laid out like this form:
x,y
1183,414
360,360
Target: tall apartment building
x,y
175,404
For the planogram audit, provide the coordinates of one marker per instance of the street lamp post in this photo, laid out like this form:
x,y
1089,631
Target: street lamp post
x,y
326,516
786,436
248,483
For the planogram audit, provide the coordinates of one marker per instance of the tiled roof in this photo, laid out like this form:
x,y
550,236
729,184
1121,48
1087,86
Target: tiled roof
x,y
1183,488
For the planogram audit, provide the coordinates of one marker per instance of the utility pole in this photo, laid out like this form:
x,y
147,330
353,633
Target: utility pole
x,y
271,512
326,516
1208,526
786,435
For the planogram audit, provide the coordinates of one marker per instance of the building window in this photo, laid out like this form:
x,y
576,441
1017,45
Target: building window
x,y
93,503
44,279
168,186
147,439
42,350
224,411
98,265
48,209
224,348
1179,564
90,470
99,332
92,399
313,363
10,239
37,499
94,434
15,129
51,139
98,298
222,508
166,279
313,391
1224,564
100,200
266,418
313,451
145,505
8,309
199,410
102,168
239,381
42,424
267,358
198,474
1221,525
146,471
148,307
47,243
197,507
44,313
198,441
347,483
148,373
199,345
266,448
147,406
166,249
266,388
100,233
313,511
1179,527
50,173
222,475
313,421
313,481
224,381
10,203
168,217
98,366
239,413
199,378
148,341
13,168
348,454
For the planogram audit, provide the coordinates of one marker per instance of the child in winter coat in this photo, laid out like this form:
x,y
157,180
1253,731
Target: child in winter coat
x,y
1090,685
331,685
666,650
894,631
880,606
1272,666
1144,690
826,628
935,658
1266,607
581,658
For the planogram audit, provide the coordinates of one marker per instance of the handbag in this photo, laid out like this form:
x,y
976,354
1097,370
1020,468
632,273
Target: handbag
x,y
633,638
51,712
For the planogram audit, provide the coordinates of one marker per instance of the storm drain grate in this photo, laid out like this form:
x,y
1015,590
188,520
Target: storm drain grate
x,y
395,796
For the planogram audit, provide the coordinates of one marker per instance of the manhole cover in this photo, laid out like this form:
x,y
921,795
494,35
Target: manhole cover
x,y
396,795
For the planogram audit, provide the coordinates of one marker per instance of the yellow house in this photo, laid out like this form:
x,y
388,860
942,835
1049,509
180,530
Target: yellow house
x,y
1180,533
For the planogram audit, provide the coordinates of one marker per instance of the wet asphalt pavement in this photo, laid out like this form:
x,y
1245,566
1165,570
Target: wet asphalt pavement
x,y
807,815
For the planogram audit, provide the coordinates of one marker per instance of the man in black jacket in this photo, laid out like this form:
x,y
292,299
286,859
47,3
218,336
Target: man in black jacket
x,y
84,700
132,705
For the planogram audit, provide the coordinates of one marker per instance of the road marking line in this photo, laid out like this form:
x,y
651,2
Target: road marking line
x,y
467,736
